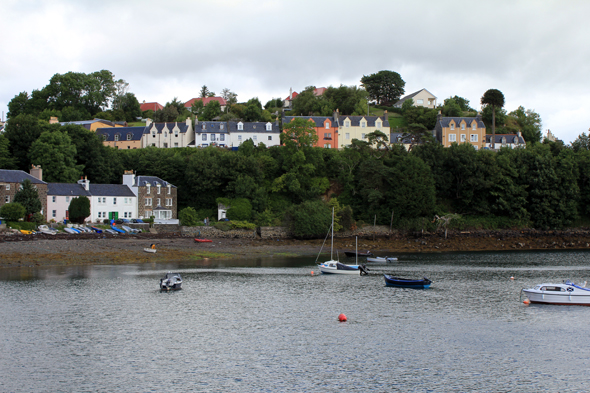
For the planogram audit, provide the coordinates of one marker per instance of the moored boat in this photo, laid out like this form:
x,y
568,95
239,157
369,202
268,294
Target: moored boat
x,y
382,259
399,282
171,282
564,294
203,240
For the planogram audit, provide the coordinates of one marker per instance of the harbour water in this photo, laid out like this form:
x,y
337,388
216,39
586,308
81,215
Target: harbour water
x,y
269,325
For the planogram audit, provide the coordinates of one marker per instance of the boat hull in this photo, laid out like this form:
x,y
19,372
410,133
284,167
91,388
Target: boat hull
x,y
203,240
333,267
382,259
566,294
398,282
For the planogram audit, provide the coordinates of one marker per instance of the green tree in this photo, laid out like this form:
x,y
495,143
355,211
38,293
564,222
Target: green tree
x,y
309,219
6,159
349,100
79,209
21,131
581,143
56,154
298,133
188,217
462,102
129,105
28,196
307,103
12,211
205,92
253,110
384,86
240,210
451,108
529,123
495,99
19,105
211,111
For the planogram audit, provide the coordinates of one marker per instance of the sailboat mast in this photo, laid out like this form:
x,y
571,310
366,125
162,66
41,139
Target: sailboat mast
x,y
332,248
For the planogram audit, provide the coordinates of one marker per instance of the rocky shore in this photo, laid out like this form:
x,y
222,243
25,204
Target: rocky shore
x,y
47,250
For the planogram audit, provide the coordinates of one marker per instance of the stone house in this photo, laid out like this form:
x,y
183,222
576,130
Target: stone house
x,y
11,182
155,197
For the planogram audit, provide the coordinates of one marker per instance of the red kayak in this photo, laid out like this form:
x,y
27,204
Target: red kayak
x,y
203,240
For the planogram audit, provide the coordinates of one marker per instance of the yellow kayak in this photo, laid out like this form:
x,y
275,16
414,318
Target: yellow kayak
x,y
26,232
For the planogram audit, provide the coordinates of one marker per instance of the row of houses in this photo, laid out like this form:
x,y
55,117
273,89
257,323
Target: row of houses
x,y
137,197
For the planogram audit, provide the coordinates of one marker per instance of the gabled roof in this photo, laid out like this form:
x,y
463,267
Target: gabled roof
x,y
401,100
355,121
445,121
205,100
16,176
396,137
317,92
510,138
136,133
154,106
115,190
182,127
142,181
74,189
253,126
87,123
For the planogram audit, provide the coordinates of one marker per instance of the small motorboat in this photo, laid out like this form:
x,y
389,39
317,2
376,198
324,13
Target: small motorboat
x,y
382,259
203,240
399,282
151,249
46,230
360,254
108,230
130,230
565,294
171,282
97,230
71,231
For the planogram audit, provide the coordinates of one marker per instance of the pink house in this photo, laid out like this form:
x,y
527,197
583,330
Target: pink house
x,y
206,101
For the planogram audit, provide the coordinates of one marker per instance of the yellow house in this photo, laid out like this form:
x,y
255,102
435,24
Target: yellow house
x,y
92,125
357,127
449,130
121,137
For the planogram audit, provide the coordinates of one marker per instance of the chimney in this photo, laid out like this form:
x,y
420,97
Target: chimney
x,y
84,183
385,118
36,172
439,116
129,179
188,121
290,94
148,122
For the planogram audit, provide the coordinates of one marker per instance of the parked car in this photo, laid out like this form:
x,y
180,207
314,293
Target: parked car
x,y
137,220
122,221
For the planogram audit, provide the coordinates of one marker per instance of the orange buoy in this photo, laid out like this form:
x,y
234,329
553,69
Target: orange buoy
x,y
312,272
342,318
512,278
526,301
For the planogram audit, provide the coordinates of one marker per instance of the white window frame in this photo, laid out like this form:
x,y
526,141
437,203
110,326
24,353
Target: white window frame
x,y
462,126
347,135
347,124
239,138
270,137
204,137
169,189
473,138
168,201
363,124
452,125
363,136
240,126
53,198
452,138
474,126
8,187
148,201
7,199
463,137
268,127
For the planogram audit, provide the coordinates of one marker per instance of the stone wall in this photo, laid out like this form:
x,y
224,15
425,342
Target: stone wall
x,y
167,228
209,231
274,233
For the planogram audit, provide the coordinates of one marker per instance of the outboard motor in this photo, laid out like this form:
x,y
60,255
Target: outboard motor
x,y
364,270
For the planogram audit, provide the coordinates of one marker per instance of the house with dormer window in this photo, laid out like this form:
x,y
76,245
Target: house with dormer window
x,y
326,128
121,137
511,141
155,197
420,98
259,132
357,127
211,133
449,130
166,135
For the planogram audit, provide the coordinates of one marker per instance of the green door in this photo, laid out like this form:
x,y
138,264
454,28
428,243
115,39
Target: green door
x,y
113,215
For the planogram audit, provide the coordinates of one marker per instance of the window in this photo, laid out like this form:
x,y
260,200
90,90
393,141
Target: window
x,y
204,137
419,102
104,137
452,126
8,187
239,138
165,144
221,126
270,137
463,137
212,137
99,214
7,199
327,125
474,126
203,126
363,124
165,134
363,136
148,189
347,135
129,136
159,188
221,137
159,202
67,199
378,124
153,133
240,126
53,198
169,189
462,126
254,138
54,213
328,146
114,201
148,201
452,137
175,144
327,135
168,201
269,127
176,133
116,137
346,124
473,138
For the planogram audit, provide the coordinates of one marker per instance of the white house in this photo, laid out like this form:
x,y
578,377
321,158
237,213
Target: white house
x,y
260,132
421,98
110,201
170,134
59,196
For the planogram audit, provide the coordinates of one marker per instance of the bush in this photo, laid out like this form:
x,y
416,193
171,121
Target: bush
x,y
29,226
38,218
79,209
240,209
188,217
242,225
309,219
12,211
223,225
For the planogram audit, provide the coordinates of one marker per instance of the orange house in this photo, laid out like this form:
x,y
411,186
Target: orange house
x,y
326,129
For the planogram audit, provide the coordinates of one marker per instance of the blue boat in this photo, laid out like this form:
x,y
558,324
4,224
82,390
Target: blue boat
x,y
114,228
398,282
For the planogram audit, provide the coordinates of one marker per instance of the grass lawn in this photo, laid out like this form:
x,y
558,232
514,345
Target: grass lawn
x,y
136,124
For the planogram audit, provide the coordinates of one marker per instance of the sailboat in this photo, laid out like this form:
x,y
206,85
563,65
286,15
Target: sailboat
x,y
335,267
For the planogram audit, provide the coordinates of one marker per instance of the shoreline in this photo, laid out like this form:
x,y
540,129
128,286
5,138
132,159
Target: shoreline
x,y
92,249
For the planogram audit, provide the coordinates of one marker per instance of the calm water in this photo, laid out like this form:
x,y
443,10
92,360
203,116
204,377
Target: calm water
x,y
270,326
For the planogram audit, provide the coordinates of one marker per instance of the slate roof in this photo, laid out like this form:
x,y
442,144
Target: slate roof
x,y
355,121
16,176
258,126
87,123
182,126
510,138
217,127
445,121
66,189
403,99
142,181
136,133
393,138
115,190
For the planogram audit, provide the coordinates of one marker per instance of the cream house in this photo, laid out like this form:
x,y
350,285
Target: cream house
x,y
357,127
449,130
421,98
166,135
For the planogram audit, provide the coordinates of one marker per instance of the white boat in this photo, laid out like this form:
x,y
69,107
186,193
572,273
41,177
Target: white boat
x,y
335,267
171,282
567,293
150,250
381,259
46,230
71,231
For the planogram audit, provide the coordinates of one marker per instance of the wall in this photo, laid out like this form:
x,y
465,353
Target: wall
x,y
213,232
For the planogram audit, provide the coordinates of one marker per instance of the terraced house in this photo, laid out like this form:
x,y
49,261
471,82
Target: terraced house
x,y
155,197
357,127
449,130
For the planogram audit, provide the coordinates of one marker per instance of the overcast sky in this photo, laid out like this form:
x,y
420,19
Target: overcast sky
x,y
535,52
